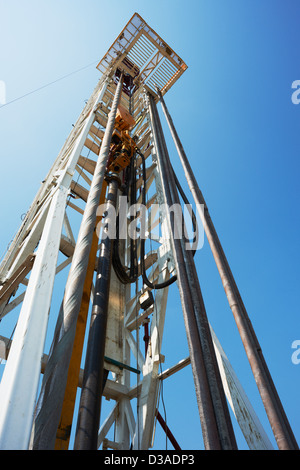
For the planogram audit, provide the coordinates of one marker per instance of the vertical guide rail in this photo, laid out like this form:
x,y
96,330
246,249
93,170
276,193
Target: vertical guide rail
x,y
91,392
216,425
55,376
274,409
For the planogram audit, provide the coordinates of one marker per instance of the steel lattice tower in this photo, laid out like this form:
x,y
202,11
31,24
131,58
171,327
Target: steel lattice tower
x,y
117,285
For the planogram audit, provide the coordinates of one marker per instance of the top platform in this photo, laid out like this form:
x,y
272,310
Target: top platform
x,y
146,59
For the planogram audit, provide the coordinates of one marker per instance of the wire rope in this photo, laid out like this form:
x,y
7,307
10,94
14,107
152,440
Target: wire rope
x,y
48,84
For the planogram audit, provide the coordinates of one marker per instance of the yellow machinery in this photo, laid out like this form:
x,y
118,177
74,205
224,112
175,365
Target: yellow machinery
x,y
122,145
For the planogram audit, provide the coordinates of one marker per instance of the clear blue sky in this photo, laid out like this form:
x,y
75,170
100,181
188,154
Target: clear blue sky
x,y
239,127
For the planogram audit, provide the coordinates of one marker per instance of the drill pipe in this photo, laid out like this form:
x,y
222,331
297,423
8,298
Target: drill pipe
x,y
55,377
273,406
223,420
92,384
216,435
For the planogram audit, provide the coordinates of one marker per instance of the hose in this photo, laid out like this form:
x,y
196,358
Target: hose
x,y
120,271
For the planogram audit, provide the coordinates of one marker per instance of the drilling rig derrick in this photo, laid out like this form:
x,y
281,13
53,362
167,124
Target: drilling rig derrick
x,y
118,284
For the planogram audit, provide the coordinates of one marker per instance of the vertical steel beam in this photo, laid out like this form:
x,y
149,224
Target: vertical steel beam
x,y
216,424
147,399
274,409
55,376
20,380
91,392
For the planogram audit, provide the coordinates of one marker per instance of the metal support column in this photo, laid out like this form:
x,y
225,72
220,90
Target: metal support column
x,y
274,409
55,377
20,381
19,384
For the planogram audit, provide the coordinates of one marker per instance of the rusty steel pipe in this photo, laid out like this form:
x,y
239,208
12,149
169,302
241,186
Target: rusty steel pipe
x,y
211,432
167,430
273,406
209,429
223,420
